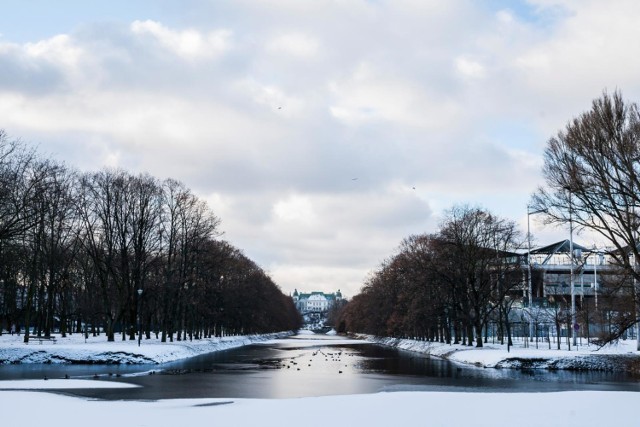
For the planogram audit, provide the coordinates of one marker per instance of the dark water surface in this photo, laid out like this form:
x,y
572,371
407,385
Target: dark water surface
x,y
313,365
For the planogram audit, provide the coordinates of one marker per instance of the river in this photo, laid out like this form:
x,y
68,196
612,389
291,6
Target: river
x,y
313,365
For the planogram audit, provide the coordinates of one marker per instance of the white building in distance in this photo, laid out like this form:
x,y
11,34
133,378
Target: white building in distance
x,y
315,302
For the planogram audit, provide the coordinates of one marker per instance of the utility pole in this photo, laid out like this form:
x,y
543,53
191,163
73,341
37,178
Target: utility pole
x,y
574,323
139,318
529,213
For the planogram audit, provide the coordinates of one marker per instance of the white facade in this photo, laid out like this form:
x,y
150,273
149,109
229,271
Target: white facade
x,y
315,301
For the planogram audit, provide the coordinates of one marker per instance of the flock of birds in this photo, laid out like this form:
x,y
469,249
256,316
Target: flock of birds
x,y
334,357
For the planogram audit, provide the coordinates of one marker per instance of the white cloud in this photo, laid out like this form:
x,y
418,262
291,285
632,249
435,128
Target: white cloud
x,y
295,209
59,49
505,17
271,111
369,96
586,52
189,43
295,44
469,68
274,98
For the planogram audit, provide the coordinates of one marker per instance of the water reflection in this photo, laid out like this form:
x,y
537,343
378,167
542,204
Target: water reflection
x,y
313,366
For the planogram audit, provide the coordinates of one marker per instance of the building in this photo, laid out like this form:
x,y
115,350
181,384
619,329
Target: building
x,y
552,268
586,289
315,302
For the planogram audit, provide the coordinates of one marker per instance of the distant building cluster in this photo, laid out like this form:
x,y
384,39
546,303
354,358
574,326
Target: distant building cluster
x,y
315,302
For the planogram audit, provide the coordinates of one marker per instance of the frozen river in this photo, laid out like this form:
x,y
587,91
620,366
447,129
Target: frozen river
x,y
313,365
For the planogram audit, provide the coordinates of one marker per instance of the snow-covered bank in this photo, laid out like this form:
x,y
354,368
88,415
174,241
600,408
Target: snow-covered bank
x,y
60,384
97,350
618,357
435,409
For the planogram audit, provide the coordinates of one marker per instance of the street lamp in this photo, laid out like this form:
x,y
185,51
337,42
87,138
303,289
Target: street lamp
x,y
139,322
574,324
529,213
599,258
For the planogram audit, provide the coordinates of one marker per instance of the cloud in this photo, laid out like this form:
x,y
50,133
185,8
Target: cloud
x,y
59,49
370,96
189,43
469,68
24,72
297,45
307,125
586,52
311,231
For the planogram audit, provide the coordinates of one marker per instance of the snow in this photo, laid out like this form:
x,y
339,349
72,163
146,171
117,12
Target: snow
x,y
60,384
74,349
382,409
19,398
615,357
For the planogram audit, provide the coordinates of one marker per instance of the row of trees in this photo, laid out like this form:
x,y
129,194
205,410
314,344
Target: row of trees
x,y
451,284
445,286
109,250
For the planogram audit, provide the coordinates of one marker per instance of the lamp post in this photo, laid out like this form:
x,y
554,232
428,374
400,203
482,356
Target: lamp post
x,y
529,213
599,259
574,324
139,322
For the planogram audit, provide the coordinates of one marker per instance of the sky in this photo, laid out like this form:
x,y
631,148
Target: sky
x,y
320,132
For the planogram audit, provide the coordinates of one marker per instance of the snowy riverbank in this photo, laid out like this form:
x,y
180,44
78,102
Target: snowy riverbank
x,y
450,409
97,350
18,398
617,357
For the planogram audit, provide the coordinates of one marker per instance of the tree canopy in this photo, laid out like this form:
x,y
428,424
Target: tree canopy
x,y
113,251
444,286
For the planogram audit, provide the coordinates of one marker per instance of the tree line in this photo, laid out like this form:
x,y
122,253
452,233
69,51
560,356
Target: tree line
x,y
446,286
116,252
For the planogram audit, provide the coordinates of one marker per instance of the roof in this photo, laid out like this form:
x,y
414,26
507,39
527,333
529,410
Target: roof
x,y
562,246
303,296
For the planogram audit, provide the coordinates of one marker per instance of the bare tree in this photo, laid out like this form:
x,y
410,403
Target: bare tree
x,y
18,187
96,201
187,225
75,250
592,174
444,284
53,244
481,248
